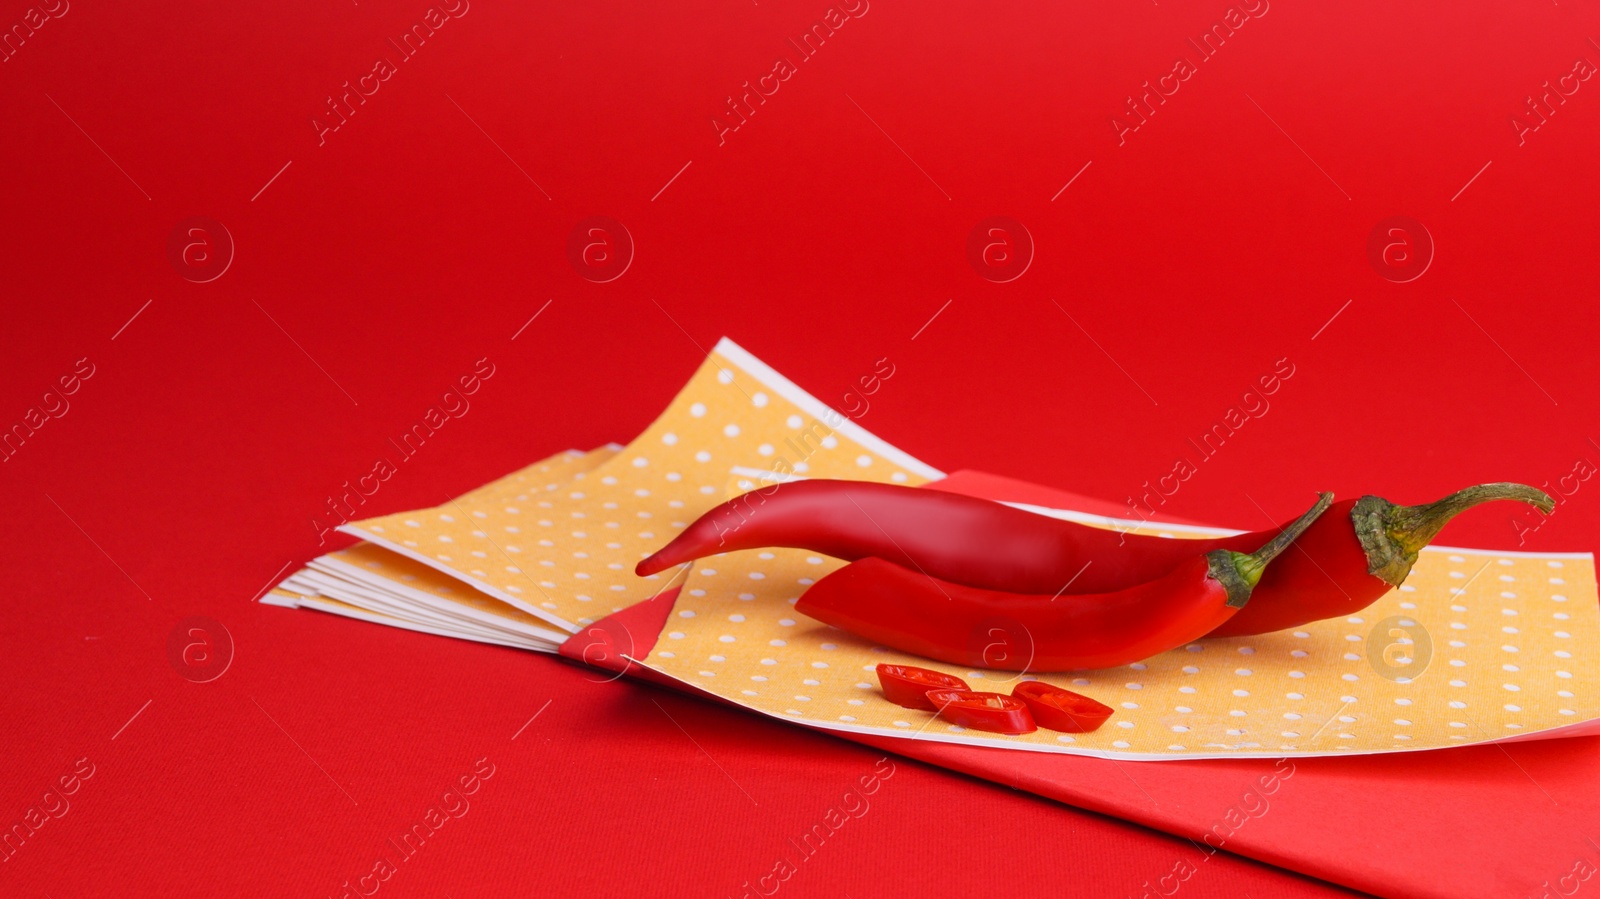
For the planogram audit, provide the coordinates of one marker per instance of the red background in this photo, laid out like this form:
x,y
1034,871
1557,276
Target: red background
x,y
822,235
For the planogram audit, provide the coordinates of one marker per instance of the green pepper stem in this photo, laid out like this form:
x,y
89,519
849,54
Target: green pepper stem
x,y
1240,572
1392,535
1250,566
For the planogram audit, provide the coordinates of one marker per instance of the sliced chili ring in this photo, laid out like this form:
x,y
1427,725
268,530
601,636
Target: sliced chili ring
x,y
907,686
1062,710
983,711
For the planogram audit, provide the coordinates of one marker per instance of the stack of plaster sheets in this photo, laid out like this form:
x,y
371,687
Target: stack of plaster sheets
x,y
532,558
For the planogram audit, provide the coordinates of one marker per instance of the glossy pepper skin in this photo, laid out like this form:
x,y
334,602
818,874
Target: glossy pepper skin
x,y
907,686
954,623
1061,710
952,537
995,712
1346,561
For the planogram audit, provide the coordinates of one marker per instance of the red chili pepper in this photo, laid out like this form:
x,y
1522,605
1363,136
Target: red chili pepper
x,y
983,711
1062,710
958,538
1360,551
907,686
913,612
1350,558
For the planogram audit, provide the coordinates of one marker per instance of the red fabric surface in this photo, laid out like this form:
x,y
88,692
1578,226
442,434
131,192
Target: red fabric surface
x,y
830,231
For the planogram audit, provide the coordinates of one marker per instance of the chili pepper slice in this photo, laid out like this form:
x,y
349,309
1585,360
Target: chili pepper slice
x,y
1062,710
910,611
907,686
995,712
1351,557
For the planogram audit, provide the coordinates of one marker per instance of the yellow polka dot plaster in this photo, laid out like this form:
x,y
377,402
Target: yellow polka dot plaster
x,y
371,561
1476,646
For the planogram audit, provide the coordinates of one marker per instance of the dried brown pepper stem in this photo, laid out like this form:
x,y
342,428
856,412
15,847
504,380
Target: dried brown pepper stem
x,y
1392,534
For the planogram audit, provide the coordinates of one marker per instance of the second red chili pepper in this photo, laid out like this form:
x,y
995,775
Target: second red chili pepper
x,y
913,612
